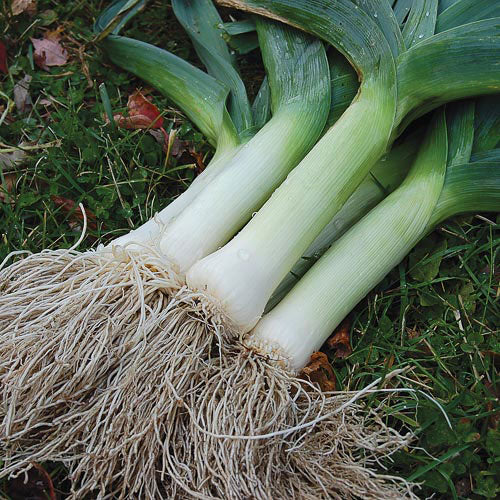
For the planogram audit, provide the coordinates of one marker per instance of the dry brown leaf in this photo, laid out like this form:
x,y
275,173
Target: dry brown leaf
x,y
142,114
320,371
22,98
54,35
9,160
71,207
198,158
7,187
340,341
49,53
20,6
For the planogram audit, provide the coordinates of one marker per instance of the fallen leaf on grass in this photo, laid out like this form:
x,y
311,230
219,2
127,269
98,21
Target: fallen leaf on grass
x,y
38,487
71,207
142,114
198,158
319,371
3,58
340,341
49,52
7,187
22,98
20,6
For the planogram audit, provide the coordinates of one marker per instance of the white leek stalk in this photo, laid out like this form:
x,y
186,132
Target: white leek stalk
x,y
356,262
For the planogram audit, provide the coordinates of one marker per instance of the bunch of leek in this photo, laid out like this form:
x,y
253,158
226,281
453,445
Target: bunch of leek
x,y
229,289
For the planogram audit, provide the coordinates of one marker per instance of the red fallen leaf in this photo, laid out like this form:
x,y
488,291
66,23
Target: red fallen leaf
x,y
71,207
49,52
38,487
340,341
133,122
3,58
138,105
20,6
319,371
142,114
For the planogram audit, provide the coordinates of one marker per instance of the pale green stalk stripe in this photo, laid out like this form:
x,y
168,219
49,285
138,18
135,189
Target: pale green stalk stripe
x,y
297,70
359,260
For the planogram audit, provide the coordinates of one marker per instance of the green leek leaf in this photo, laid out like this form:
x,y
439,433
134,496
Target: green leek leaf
x,y
451,65
261,107
401,10
460,123
487,123
444,4
421,22
200,19
467,11
485,156
472,187
240,35
116,16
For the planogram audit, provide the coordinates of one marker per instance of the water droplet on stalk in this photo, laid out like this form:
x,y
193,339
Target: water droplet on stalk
x,y
243,255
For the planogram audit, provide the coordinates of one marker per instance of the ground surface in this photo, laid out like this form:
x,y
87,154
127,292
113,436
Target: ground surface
x,y
434,314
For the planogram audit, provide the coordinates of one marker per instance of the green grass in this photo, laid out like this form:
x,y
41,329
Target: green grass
x,y
435,314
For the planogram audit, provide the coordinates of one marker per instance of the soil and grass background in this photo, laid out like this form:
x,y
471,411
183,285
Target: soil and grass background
x,y
436,314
